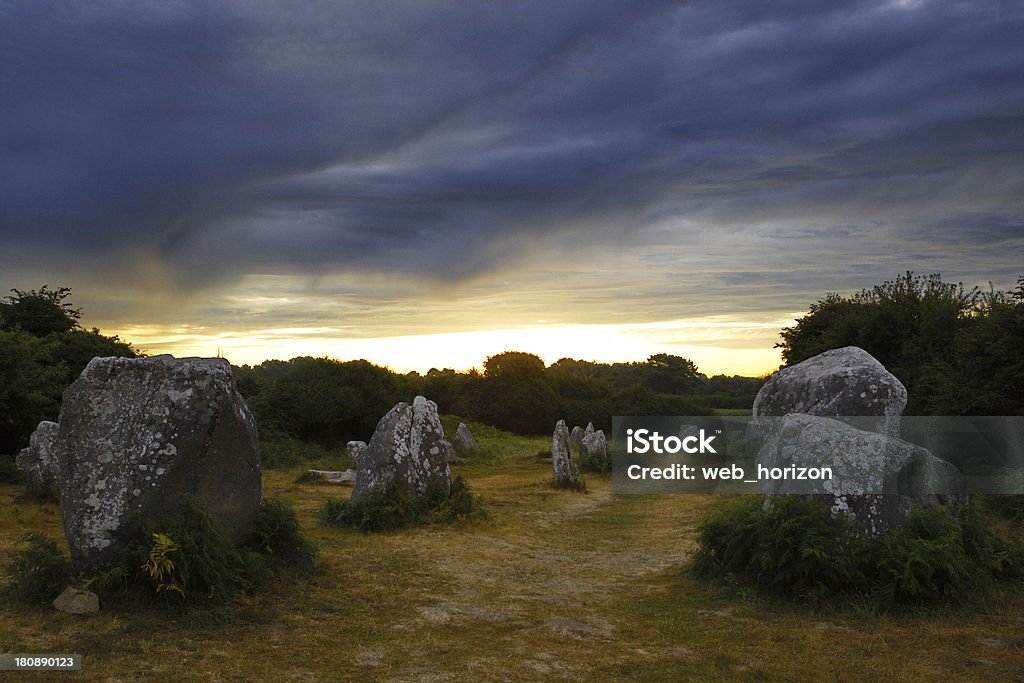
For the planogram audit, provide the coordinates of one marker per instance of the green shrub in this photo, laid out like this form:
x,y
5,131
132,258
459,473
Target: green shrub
x,y
797,549
186,562
393,506
37,572
277,536
280,451
596,462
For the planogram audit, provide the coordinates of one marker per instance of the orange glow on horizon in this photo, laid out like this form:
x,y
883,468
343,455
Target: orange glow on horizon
x,y
716,345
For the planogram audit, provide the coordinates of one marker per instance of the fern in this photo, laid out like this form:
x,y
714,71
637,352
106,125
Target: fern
x,y
159,565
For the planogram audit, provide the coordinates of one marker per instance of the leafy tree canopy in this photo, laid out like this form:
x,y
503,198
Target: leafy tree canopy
x,y
39,312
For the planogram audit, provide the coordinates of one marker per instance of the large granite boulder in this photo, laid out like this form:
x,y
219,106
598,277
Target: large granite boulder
x,y
566,473
841,382
39,460
139,436
875,477
464,444
409,449
849,383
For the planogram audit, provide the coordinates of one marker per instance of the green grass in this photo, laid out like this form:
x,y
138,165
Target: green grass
x,y
283,452
730,411
553,586
494,443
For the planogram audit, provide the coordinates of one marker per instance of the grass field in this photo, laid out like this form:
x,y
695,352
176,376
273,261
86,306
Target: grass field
x,y
555,586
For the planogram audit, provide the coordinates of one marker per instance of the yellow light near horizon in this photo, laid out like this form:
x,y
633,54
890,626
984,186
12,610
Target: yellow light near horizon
x,y
716,346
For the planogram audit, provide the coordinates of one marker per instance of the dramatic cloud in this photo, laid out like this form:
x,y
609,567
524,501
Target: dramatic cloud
x,y
408,168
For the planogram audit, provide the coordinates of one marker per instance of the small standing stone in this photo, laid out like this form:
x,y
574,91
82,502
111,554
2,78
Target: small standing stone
x,y
566,473
576,437
594,452
464,444
355,448
39,460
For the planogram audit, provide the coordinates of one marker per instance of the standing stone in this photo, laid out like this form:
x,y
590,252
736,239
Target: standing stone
x,y
841,382
876,477
408,448
594,452
464,444
589,429
565,471
139,436
576,437
849,382
354,448
39,461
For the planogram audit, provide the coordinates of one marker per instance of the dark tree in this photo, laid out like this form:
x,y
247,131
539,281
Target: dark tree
x,y
39,312
957,351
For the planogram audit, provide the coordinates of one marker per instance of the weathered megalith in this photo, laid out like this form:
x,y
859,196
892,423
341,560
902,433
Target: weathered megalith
x,y
845,382
464,444
875,477
139,436
868,457
408,448
576,437
589,429
566,473
39,460
594,452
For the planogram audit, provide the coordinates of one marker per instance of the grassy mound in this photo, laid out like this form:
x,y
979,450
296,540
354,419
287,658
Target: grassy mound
x,y
393,506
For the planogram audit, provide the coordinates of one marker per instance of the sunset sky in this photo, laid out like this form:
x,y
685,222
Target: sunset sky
x,y
426,184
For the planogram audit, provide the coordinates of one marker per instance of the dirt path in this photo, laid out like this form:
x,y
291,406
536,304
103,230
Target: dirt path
x,y
555,586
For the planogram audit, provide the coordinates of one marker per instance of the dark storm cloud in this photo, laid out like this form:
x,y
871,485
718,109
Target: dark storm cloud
x,y
211,140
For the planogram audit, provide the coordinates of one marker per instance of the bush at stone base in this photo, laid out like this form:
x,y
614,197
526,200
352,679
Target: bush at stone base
x,y
37,571
393,506
183,562
795,550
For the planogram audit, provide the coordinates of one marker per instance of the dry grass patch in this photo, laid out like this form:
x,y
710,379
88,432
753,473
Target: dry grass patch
x,y
554,585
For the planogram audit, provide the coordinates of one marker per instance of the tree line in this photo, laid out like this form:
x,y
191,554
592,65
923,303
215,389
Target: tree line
x,y
324,400
959,351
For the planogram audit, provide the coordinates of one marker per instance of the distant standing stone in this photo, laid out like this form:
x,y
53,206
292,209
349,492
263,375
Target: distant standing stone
x,y
594,450
576,437
354,448
39,461
566,473
589,429
464,443
408,448
139,436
